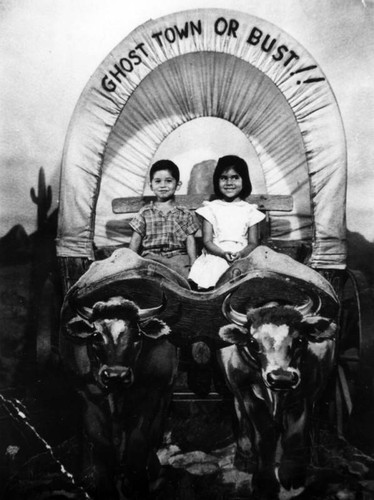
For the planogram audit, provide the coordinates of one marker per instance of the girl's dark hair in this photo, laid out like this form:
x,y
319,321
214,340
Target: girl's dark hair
x,y
240,167
165,165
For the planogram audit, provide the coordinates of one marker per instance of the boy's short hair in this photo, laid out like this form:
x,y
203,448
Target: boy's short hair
x,y
165,165
240,166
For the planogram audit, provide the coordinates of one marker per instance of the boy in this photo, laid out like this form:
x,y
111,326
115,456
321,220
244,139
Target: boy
x,y
162,230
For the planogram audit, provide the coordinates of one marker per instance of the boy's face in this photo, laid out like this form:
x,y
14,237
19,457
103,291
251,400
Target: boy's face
x,y
164,185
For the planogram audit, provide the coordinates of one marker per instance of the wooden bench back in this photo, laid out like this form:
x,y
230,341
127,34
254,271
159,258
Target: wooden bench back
x,y
265,202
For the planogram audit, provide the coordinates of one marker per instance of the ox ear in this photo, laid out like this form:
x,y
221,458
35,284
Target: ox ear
x,y
155,328
234,334
78,329
318,329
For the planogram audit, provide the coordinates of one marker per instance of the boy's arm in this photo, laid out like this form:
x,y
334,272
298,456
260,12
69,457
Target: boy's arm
x,y
135,242
138,227
191,248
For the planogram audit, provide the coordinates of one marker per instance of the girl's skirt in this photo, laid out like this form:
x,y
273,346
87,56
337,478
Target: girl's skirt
x,y
208,268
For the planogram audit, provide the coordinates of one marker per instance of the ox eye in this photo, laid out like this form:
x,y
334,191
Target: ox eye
x,y
298,343
253,345
97,338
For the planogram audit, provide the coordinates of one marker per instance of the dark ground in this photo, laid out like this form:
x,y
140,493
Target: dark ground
x,y
39,441
40,444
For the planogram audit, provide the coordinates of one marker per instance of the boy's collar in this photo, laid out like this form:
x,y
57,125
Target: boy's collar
x,y
172,207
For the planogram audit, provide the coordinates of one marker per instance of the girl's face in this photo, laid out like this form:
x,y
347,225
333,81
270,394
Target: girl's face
x,y
230,184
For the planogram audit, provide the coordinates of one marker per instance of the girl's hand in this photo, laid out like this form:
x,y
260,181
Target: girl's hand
x,y
230,256
235,256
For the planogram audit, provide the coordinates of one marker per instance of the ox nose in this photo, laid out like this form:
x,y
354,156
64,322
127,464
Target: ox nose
x,y
116,375
283,380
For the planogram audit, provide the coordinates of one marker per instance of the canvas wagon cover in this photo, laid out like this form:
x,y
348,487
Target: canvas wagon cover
x,y
206,63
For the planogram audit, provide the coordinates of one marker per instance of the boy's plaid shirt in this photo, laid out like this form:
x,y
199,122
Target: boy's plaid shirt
x,y
164,234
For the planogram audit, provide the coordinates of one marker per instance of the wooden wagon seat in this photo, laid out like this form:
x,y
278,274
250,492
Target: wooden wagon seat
x,y
126,273
265,275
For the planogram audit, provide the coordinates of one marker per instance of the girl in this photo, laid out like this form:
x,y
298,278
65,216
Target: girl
x,y
229,223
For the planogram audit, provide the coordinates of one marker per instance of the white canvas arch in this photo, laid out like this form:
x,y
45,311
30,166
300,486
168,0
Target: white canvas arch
x,y
208,62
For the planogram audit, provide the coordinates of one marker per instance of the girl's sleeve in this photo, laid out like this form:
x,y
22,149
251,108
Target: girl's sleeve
x,y
206,212
255,216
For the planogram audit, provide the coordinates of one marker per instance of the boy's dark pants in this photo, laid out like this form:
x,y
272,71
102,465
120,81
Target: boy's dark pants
x,y
179,263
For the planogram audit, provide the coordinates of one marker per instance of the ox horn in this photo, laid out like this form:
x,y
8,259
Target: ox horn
x,y
307,306
84,312
236,317
150,312
241,319
144,314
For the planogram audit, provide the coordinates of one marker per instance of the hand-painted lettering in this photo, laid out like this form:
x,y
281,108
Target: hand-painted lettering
x,y
266,46
116,74
170,35
308,80
293,55
158,36
182,32
108,84
280,52
140,46
173,33
196,28
133,55
269,45
223,26
254,36
302,70
124,66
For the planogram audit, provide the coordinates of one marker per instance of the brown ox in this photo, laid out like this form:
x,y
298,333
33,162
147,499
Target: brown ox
x,y
124,368
276,367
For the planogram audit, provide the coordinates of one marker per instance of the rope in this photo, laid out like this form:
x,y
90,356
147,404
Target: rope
x,y
20,413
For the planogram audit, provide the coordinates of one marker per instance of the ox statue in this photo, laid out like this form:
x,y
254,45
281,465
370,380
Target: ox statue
x,y
277,365
123,368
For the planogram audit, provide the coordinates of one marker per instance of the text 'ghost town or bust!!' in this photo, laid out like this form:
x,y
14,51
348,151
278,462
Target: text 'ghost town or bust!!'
x,y
222,27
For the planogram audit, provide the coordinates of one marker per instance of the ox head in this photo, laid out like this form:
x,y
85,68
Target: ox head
x,y
112,331
275,338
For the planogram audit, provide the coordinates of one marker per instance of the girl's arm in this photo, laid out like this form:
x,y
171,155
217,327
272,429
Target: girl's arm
x,y
135,242
252,242
191,248
210,246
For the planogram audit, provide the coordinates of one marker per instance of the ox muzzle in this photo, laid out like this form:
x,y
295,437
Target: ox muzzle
x,y
112,377
282,379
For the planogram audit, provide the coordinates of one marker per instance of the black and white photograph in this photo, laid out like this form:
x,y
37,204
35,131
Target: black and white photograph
x,y
187,250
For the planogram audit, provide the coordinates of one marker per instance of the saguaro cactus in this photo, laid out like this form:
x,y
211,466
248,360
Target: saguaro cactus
x,y
43,199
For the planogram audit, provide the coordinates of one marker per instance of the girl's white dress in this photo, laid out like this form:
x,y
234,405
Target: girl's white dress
x,y
230,222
